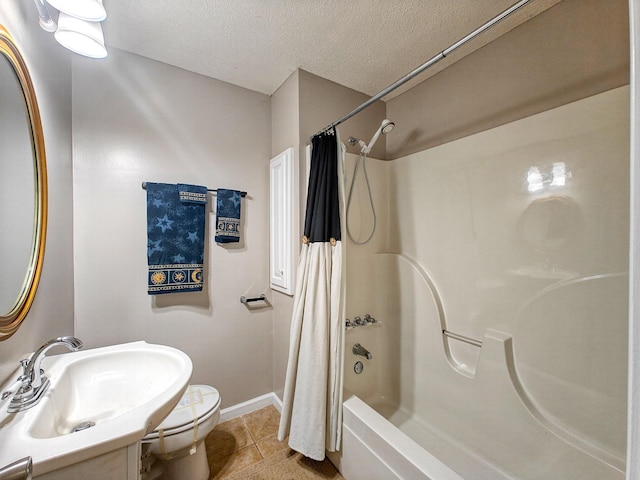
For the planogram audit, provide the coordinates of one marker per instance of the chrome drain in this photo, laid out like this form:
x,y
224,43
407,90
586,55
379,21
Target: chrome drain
x,y
358,368
83,426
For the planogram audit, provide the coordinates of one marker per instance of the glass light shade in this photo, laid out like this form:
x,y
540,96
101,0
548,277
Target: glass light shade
x,y
80,36
47,24
45,20
90,10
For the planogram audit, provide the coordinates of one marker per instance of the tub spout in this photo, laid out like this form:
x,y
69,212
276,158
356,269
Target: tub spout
x,y
360,350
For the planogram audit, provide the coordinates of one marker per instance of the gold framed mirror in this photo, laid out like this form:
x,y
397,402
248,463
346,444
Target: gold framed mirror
x,y
23,188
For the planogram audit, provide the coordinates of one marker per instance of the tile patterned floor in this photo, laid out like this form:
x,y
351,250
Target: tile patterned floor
x,y
247,448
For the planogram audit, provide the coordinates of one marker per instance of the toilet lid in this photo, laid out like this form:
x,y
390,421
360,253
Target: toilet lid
x,y
197,402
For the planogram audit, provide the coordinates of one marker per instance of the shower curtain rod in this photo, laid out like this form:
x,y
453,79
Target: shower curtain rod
x,y
427,64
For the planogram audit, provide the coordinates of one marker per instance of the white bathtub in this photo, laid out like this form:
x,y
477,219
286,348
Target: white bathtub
x,y
415,414
373,448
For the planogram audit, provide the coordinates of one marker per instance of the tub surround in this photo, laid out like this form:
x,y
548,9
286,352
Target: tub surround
x,y
549,381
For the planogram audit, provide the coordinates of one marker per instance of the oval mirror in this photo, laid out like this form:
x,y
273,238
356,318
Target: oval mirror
x,y
23,188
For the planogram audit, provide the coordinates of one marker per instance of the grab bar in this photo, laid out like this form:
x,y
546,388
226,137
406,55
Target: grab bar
x,y
462,338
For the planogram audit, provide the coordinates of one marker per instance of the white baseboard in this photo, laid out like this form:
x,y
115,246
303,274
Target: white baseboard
x,y
249,406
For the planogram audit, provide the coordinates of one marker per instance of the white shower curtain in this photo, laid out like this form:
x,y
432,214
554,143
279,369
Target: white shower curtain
x,y
312,404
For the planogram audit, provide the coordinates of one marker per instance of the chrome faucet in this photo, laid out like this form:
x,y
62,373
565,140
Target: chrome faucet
x,y
360,350
34,383
20,470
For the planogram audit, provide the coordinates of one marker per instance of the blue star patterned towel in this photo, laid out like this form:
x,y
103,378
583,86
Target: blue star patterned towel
x,y
228,216
175,237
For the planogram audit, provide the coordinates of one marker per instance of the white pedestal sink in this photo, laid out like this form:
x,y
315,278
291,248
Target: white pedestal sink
x,y
100,401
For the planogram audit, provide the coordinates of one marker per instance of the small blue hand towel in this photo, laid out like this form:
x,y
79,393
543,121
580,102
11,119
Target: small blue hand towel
x,y
175,237
228,216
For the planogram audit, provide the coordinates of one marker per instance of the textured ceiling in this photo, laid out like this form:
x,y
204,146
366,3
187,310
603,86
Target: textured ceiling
x,y
362,44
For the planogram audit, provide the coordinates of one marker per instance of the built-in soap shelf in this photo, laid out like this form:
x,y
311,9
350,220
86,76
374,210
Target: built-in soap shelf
x,y
365,321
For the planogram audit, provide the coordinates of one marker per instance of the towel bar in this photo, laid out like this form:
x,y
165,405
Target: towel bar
x,y
213,190
246,300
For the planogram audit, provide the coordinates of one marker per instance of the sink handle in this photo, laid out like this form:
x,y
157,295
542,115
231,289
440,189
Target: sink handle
x,y
20,470
34,382
33,370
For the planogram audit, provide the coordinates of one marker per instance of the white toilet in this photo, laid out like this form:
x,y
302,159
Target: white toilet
x,y
176,446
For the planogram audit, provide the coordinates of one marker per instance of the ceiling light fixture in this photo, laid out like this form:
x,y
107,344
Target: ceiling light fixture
x,y
78,28
80,36
89,10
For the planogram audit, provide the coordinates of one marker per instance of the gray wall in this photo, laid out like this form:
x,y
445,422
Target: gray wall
x,y
573,50
50,67
323,102
285,133
139,120
302,106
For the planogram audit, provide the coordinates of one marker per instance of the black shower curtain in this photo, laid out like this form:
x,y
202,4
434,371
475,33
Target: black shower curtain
x,y
312,403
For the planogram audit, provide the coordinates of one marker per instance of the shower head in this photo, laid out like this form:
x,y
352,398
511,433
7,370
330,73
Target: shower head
x,y
385,127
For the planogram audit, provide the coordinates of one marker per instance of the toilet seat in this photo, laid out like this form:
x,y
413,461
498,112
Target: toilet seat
x,y
198,404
